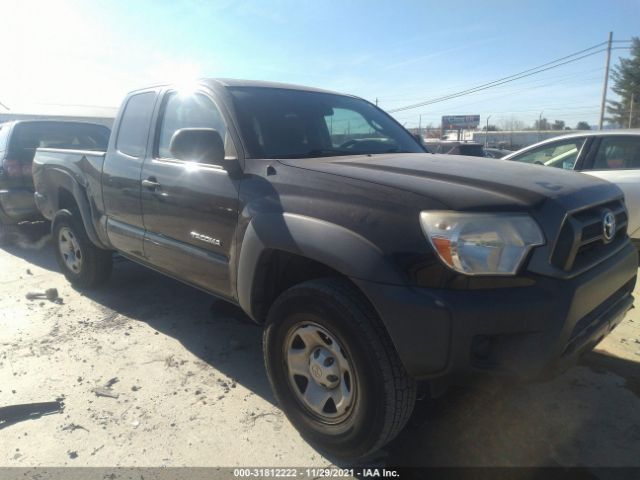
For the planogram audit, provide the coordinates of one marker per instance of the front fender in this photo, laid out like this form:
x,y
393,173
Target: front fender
x,y
332,245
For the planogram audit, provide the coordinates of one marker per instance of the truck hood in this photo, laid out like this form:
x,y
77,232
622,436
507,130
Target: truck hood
x,y
468,183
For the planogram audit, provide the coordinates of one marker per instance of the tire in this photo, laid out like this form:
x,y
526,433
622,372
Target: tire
x,y
7,233
92,266
375,395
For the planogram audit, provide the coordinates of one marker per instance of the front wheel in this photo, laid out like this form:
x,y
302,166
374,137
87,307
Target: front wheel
x,y
81,262
334,370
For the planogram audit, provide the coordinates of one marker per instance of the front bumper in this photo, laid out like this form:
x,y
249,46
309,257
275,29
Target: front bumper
x,y
17,205
517,332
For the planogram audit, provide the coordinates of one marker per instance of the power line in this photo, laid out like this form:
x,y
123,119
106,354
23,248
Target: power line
x,y
539,66
485,87
534,84
525,73
407,115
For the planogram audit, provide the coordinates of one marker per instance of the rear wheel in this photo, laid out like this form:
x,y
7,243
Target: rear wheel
x,y
7,233
81,262
334,369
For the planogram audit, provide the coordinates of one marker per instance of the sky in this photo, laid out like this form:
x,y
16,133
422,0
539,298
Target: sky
x,y
74,55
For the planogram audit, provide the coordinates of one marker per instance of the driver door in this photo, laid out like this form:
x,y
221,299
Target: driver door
x,y
189,209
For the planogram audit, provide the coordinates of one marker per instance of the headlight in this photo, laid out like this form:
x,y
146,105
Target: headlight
x,y
481,243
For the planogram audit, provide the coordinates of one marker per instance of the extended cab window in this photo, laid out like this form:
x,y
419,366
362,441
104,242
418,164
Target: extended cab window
x,y
560,154
193,110
134,126
617,153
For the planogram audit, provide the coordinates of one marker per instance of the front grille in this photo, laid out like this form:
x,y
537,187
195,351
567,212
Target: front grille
x,y
581,242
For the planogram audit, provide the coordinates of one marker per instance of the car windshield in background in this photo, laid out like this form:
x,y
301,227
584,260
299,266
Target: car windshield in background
x,y
78,136
472,150
286,123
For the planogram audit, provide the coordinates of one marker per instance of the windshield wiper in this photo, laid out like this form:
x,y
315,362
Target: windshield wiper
x,y
395,150
332,152
316,153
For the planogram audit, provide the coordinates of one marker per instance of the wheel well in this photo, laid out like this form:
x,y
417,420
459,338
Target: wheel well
x,y
66,200
276,272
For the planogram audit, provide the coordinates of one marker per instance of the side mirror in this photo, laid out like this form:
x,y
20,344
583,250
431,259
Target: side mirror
x,y
202,145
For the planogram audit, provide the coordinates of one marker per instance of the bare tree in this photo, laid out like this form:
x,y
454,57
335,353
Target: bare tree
x,y
512,123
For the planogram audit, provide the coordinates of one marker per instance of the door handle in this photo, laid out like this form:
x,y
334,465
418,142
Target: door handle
x,y
150,183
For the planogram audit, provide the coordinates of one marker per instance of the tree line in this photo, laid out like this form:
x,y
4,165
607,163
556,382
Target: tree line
x,y
626,84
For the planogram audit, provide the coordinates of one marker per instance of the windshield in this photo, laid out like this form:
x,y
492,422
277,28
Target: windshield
x,y
282,123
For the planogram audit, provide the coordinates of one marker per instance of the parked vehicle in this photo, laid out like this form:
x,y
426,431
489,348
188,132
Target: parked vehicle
x,y
376,268
496,152
450,147
18,143
612,155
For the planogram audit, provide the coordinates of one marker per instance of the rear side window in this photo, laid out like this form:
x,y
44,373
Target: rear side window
x,y
618,153
28,136
134,126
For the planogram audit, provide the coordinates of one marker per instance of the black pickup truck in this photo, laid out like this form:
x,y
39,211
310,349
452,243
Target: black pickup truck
x,y
18,143
376,268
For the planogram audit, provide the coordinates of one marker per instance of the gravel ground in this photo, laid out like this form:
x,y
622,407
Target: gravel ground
x,y
155,373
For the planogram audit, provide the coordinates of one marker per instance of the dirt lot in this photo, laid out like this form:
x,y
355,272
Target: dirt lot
x,y
191,388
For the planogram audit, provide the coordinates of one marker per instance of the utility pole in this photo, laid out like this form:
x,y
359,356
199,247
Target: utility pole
x,y
420,125
606,82
631,108
376,101
486,133
540,124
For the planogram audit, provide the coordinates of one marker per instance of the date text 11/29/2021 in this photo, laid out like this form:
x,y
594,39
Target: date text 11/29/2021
x,y
315,472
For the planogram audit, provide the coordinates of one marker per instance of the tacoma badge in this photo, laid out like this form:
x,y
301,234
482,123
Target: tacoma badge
x,y
206,239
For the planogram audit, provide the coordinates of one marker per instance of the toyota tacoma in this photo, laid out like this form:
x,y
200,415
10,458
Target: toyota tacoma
x,y
375,267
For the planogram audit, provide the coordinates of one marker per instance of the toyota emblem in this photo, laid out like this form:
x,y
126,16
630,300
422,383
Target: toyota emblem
x,y
608,226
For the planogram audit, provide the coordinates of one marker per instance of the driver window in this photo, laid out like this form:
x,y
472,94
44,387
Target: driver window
x,y
561,154
187,111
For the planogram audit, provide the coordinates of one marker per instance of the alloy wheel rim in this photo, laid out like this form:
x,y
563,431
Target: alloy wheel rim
x,y
320,372
70,249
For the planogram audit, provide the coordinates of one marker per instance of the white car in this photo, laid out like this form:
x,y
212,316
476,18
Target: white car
x,y
613,155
